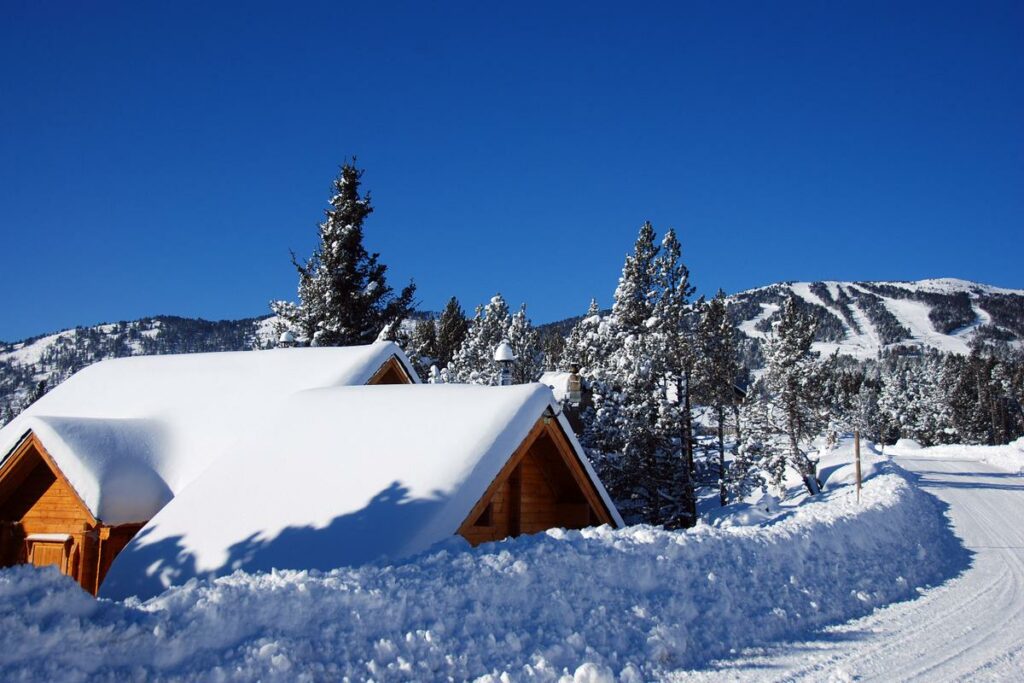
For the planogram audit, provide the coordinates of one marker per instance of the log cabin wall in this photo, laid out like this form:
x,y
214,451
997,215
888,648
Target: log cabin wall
x,y
391,372
537,490
44,522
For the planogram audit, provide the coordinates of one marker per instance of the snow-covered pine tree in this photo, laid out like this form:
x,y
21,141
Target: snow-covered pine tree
x,y
865,414
451,331
637,290
552,344
983,400
617,358
473,363
747,471
37,393
913,398
717,370
793,388
344,297
636,431
632,447
421,347
584,346
674,335
524,339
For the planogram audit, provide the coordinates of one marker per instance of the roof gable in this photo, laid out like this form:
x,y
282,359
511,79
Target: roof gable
x,y
26,456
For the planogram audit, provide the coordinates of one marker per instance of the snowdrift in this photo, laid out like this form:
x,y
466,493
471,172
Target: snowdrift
x,y
1008,457
625,605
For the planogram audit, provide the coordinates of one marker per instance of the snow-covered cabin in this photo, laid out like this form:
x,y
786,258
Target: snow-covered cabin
x,y
349,475
88,464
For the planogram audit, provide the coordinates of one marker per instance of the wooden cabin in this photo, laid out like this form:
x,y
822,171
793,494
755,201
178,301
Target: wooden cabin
x,y
542,486
44,522
90,463
350,475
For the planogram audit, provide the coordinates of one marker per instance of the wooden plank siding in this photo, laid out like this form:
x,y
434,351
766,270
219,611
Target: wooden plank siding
x,y
542,486
36,498
391,372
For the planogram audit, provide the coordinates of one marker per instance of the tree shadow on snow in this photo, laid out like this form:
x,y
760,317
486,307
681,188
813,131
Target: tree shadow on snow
x,y
386,525
940,479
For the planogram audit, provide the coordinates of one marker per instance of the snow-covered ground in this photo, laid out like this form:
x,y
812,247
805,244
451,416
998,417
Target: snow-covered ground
x,y
1009,458
601,605
969,628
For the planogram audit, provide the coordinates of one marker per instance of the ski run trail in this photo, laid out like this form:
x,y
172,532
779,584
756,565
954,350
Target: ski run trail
x,y
969,628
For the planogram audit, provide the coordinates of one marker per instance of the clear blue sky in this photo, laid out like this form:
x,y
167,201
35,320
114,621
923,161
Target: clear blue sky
x,y
164,157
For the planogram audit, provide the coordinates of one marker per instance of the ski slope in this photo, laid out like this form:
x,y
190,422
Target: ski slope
x,y
910,305
970,628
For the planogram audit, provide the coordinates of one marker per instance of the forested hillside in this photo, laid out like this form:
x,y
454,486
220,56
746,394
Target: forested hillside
x,y
859,319
30,367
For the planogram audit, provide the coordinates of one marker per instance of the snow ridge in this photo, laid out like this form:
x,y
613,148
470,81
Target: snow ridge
x,y
633,604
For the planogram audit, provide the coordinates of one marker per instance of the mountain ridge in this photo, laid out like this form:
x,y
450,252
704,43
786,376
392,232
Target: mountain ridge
x,y
856,318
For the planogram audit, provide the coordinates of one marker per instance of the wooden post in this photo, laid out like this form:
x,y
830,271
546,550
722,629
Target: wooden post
x,y
856,459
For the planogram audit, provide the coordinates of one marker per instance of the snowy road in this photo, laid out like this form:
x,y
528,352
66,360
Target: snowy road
x,y
970,628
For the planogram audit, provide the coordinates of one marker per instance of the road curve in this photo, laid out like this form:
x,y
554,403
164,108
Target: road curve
x,y
969,628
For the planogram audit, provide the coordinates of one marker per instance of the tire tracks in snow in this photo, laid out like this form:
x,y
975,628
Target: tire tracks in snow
x,y
968,628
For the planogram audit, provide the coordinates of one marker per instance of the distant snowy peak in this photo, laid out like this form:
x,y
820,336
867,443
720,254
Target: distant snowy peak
x,y
861,319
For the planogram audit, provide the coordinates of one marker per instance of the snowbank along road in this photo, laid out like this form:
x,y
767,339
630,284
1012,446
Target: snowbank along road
x,y
969,628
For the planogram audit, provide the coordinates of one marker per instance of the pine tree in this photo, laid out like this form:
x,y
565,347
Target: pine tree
x,y
627,380
717,371
344,297
866,415
675,341
552,345
747,471
631,446
525,342
637,431
37,393
636,292
451,331
473,363
421,347
793,383
583,347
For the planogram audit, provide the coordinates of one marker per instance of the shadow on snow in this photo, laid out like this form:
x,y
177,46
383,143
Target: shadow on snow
x,y
386,525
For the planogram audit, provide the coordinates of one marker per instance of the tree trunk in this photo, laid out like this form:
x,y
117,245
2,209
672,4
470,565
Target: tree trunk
x,y
690,497
801,462
721,455
736,416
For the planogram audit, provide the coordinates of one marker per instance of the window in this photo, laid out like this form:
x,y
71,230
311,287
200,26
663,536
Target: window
x,y
485,518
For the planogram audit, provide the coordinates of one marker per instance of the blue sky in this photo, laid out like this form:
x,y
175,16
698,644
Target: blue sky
x,y
162,158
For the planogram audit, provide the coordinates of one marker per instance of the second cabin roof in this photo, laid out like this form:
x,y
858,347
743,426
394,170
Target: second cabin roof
x,y
130,433
341,476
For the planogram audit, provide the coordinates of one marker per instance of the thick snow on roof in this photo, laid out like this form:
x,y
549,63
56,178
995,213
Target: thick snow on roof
x,y
130,433
558,381
339,476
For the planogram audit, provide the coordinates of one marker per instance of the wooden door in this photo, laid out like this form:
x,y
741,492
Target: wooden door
x,y
43,554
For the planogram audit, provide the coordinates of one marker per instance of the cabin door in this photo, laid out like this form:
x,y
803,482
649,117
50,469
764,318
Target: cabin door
x,y
45,553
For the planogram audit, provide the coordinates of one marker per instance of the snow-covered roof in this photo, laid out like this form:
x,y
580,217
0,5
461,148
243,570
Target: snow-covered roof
x,y
132,432
340,476
558,381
